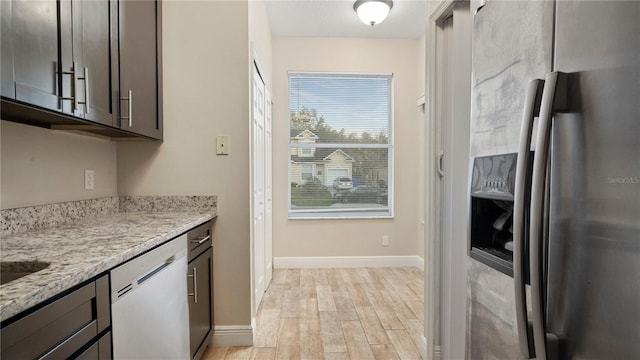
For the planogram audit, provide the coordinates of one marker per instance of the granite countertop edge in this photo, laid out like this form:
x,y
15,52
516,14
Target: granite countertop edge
x,y
86,249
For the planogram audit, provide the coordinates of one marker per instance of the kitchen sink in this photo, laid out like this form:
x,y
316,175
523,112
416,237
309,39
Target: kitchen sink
x,y
12,270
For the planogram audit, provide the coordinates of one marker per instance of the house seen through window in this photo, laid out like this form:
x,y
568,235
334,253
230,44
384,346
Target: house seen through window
x,y
340,145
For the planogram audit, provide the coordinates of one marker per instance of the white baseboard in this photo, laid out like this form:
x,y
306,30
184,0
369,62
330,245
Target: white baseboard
x,y
233,335
423,347
346,262
254,325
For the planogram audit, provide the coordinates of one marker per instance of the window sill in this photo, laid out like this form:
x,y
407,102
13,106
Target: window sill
x,y
360,215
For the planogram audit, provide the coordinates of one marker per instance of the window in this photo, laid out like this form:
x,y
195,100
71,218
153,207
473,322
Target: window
x,y
307,171
340,129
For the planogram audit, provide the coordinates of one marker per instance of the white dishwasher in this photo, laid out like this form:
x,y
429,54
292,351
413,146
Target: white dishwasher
x,y
149,309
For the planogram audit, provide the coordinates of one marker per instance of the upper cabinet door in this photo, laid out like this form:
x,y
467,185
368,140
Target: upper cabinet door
x,y
7,88
30,29
140,81
94,59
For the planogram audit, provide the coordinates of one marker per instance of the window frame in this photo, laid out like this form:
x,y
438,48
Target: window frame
x,y
341,214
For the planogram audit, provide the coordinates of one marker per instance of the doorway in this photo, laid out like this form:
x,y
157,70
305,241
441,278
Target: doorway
x,y
449,87
261,188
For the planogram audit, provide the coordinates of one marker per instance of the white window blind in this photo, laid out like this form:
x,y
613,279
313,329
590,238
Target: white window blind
x,y
340,145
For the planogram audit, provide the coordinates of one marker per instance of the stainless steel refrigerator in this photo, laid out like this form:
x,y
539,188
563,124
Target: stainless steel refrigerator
x,y
566,74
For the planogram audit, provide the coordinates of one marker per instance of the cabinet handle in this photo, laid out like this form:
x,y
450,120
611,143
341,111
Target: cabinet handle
x,y
130,100
194,276
74,86
200,241
86,90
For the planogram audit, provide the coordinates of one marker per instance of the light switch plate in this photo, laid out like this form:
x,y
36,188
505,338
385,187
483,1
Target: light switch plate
x,y
222,145
89,178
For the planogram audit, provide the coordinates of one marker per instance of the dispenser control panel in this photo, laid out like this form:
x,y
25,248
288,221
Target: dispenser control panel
x,y
494,176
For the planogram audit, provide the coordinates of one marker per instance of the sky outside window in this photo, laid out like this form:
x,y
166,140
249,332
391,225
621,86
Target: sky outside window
x,y
356,104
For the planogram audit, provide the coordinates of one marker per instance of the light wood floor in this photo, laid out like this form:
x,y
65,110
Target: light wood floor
x,y
361,313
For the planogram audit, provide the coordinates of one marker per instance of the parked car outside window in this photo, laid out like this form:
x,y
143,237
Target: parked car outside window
x,y
342,183
363,194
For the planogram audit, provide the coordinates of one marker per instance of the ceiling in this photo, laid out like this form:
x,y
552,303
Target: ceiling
x,y
336,18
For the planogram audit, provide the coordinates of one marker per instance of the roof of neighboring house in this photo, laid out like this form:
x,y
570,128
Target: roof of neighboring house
x,y
321,154
297,134
316,134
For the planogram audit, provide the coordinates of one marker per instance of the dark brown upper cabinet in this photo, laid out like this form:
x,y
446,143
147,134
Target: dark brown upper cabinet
x,y
94,60
140,61
66,65
31,47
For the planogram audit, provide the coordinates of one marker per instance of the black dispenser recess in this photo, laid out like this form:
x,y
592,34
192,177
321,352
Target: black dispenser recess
x,y
491,213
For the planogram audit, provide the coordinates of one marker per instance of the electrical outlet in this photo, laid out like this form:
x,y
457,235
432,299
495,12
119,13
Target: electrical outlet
x,y
89,178
385,240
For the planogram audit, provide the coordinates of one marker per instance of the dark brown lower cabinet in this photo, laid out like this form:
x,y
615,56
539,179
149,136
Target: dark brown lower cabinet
x,y
75,325
200,272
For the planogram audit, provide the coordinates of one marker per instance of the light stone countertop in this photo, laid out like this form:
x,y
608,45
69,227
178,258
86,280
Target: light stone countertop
x,y
79,251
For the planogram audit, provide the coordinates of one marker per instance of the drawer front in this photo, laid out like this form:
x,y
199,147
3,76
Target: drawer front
x,y
60,328
71,345
100,350
199,240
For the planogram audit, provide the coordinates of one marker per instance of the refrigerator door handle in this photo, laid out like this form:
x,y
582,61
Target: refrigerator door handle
x,y
553,93
531,110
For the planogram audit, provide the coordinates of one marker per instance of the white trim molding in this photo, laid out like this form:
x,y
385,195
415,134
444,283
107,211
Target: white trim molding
x,y
233,335
445,321
347,262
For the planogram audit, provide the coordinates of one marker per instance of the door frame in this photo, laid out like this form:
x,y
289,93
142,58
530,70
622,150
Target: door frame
x,y
267,157
446,263
255,301
268,186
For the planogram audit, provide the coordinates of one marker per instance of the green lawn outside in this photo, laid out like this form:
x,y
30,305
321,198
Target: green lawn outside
x,y
306,196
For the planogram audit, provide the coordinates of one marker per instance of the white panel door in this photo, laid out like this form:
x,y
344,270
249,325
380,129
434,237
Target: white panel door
x,y
258,172
268,181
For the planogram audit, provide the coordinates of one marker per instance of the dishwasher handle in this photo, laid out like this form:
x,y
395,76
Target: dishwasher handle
x,y
130,275
156,270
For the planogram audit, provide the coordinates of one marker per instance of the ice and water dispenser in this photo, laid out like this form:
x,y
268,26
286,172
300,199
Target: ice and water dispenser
x,y
491,213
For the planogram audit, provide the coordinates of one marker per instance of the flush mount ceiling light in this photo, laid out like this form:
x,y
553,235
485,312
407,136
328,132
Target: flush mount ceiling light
x,y
372,12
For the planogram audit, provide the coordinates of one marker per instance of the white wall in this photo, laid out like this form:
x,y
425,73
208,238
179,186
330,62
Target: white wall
x,y
42,166
260,38
308,238
206,93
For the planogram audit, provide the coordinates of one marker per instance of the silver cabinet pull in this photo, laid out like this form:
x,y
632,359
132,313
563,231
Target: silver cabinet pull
x,y
200,241
531,110
86,90
194,276
74,86
130,113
